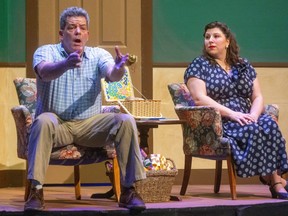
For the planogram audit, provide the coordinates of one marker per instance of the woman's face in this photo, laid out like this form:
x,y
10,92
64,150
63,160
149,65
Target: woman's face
x,y
216,43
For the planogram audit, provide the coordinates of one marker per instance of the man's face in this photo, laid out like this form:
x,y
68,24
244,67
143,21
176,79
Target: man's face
x,y
75,34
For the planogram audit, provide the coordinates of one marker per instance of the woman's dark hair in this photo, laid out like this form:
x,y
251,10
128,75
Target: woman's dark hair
x,y
232,56
72,12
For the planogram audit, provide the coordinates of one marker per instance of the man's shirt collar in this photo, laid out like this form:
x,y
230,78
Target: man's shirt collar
x,y
65,54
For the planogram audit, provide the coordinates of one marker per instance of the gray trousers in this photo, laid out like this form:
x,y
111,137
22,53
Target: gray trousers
x,y
49,131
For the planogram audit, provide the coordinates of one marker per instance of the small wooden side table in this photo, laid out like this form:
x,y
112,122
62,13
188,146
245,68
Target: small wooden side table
x,y
144,125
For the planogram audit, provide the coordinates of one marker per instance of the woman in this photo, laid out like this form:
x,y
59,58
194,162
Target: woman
x,y
221,79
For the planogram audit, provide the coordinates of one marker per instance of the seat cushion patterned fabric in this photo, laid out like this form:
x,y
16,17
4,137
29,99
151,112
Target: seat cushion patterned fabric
x,y
202,135
76,155
26,91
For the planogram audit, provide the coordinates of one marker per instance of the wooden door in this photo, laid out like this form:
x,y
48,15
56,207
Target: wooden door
x,y
112,23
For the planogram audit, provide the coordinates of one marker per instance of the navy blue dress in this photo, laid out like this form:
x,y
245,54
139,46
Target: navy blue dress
x,y
257,148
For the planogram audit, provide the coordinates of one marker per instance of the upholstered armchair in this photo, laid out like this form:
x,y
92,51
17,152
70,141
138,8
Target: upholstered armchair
x,y
203,136
70,155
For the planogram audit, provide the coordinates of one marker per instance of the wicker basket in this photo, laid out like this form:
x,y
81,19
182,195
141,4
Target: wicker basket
x,y
140,109
158,184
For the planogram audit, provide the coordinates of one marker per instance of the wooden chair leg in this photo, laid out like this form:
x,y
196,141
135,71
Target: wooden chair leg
x,y
218,176
113,172
116,179
77,183
27,184
186,176
232,177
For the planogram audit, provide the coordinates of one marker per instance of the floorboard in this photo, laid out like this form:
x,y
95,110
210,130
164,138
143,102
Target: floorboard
x,y
199,200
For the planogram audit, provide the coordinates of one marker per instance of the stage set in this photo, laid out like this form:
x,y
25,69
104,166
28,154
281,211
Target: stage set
x,y
199,200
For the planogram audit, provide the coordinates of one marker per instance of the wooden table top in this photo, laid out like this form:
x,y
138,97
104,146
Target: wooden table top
x,y
161,121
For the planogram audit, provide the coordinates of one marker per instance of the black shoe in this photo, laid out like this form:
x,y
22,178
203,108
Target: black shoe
x,y
264,182
130,199
277,195
35,201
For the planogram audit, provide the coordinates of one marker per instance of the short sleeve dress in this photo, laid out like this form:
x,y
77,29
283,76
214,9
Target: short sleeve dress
x,y
257,148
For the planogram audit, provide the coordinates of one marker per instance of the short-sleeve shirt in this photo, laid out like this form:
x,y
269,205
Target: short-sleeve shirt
x,y
76,94
232,90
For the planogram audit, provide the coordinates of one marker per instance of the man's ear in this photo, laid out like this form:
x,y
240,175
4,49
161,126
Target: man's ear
x,y
60,35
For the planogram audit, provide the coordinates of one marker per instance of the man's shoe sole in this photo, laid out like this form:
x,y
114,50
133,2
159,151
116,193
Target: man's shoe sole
x,y
132,207
33,210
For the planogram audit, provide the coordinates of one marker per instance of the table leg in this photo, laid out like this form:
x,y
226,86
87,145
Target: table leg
x,y
143,135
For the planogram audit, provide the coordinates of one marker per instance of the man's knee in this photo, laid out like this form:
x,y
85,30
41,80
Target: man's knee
x,y
127,119
45,120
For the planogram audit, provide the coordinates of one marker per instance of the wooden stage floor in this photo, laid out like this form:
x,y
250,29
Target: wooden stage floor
x,y
198,196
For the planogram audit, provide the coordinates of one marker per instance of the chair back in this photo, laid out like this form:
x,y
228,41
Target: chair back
x,y
27,93
114,91
180,94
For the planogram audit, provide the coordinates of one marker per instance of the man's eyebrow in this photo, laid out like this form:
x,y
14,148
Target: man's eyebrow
x,y
74,24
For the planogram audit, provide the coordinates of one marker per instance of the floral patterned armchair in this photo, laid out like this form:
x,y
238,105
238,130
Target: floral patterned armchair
x,y
71,155
202,136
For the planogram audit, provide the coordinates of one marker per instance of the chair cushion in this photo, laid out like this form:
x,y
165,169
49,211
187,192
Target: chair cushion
x,y
76,155
26,91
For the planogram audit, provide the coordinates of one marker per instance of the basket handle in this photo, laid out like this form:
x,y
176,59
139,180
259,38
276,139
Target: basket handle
x,y
173,163
123,107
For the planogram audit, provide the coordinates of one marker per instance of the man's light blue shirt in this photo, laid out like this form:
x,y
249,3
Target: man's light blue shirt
x,y
76,94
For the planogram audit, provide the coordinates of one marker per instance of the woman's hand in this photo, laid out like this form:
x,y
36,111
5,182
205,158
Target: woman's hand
x,y
242,118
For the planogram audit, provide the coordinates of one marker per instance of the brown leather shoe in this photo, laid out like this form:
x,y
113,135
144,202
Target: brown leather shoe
x,y
130,199
35,201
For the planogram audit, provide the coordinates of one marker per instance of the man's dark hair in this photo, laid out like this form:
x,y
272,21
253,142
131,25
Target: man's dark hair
x,y
73,12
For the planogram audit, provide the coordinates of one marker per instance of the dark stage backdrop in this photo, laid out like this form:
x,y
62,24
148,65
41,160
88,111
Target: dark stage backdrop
x,y
260,26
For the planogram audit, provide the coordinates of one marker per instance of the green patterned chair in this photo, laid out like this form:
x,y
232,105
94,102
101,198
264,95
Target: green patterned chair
x,y
70,155
203,136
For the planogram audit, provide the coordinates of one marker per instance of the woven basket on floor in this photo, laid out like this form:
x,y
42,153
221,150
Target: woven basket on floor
x,y
158,184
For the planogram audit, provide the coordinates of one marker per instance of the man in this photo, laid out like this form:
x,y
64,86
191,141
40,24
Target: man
x,y
69,108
